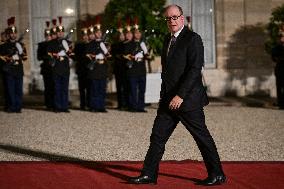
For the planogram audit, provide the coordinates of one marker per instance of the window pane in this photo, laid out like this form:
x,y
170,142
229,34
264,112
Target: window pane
x,y
202,23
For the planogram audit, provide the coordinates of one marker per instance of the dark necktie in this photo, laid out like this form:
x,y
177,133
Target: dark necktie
x,y
173,40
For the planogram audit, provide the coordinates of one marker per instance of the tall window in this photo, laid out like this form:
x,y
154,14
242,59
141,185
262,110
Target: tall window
x,y
202,22
46,10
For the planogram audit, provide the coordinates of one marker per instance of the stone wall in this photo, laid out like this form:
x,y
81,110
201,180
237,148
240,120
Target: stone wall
x,y
243,66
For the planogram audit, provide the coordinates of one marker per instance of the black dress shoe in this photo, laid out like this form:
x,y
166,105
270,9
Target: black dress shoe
x,y
56,110
142,179
143,111
210,181
131,110
9,111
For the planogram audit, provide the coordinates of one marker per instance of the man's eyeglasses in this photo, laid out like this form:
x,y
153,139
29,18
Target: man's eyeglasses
x,y
172,17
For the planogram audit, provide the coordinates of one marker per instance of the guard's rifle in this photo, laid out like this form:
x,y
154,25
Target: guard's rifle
x,y
22,35
130,58
105,36
67,39
20,39
92,62
104,40
52,58
147,57
5,58
8,58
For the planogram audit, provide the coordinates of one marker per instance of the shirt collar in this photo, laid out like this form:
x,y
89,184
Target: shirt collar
x,y
178,32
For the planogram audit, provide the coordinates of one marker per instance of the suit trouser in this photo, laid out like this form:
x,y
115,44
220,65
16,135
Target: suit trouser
x,y
14,86
61,98
97,94
121,90
5,93
48,90
83,84
137,88
164,125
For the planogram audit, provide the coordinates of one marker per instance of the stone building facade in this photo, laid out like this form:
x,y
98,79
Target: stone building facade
x,y
233,32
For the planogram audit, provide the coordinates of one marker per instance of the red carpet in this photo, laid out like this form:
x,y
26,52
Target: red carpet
x,y
113,175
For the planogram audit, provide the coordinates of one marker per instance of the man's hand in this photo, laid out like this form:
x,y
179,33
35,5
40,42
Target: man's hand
x,y
175,103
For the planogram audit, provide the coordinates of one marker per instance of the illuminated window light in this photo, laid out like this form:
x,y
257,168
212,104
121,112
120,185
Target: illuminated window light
x,y
69,11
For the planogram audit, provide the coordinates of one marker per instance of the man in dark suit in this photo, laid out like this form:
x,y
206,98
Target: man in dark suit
x,y
182,100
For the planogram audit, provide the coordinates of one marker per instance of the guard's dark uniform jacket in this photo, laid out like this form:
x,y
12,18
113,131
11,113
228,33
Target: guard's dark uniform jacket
x,y
59,66
134,68
46,71
13,67
80,58
117,52
119,70
97,69
43,56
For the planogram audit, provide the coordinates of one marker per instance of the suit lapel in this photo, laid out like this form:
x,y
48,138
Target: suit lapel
x,y
166,45
165,48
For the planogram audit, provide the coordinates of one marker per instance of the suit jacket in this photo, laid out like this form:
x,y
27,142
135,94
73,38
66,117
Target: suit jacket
x,y
181,71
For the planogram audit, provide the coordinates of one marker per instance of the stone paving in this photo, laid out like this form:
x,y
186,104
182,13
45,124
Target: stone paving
x,y
241,133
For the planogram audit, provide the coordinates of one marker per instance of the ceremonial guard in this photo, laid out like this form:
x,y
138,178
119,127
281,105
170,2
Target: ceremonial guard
x,y
97,69
135,51
13,55
119,69
46,68
57,50
81,68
